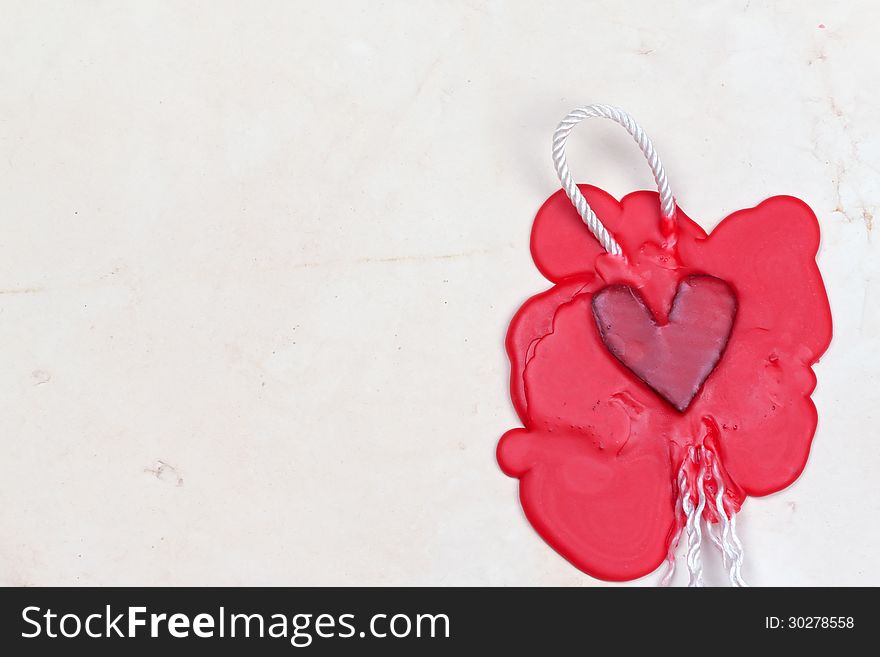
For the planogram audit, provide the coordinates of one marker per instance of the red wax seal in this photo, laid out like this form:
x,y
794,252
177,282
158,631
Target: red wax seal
x,y
687,340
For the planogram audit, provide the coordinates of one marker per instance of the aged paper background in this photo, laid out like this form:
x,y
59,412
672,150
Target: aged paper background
x,y
257,260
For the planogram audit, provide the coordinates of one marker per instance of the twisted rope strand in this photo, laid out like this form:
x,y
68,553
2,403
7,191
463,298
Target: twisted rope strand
x,y
731,553
560,136
666,580
721,542
694,530
738,546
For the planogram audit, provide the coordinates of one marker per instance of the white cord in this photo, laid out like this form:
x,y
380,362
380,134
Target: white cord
x,y
667,201
727,542
738,546
694,530
666,580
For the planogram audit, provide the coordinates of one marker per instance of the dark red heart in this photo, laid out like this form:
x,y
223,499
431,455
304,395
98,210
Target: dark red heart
x,y
675,358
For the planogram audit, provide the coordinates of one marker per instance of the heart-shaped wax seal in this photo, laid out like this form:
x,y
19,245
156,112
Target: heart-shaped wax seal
x,y
599,452
675,358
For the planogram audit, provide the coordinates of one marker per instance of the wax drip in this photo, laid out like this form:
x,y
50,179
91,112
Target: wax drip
x,y
689,518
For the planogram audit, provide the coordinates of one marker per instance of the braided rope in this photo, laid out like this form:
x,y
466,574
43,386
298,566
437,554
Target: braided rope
x,y
667,201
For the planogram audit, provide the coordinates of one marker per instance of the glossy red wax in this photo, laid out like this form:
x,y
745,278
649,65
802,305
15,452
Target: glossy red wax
x,y
602,434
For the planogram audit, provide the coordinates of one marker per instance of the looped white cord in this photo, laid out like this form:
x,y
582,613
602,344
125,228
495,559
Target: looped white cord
x,y
667,201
